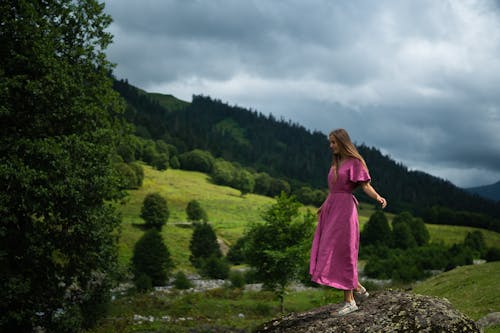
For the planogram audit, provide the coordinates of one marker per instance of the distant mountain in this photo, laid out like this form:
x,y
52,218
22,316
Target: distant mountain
x,y
491,192
287,150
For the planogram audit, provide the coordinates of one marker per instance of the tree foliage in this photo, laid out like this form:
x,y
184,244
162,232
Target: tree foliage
x,y
151,259
59,132
195,212
278,249
154,210
203,244
376,231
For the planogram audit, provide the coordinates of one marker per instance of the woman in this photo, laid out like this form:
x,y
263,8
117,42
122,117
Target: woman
x,y
334,254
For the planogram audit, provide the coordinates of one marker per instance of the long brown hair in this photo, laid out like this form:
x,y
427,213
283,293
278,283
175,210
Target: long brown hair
x,y
346,149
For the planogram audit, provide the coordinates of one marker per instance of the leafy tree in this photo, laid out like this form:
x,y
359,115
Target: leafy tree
x,y
402,236
262,183
417,227
223,172
197,160
278,248
151,259
214,267
244,181
203,244
475,241
155,210
195,212
59,133
376,231
181,281
139,173
127,175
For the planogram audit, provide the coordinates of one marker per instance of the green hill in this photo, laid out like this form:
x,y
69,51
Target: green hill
x,y
228,212
471,289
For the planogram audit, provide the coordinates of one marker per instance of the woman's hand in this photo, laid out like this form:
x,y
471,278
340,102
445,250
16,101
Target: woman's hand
x,y
382,201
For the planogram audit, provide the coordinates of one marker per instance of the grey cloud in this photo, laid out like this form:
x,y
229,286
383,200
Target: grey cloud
x,y
417,79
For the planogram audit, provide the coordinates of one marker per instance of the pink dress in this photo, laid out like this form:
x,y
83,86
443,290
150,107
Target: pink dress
x,y
334,253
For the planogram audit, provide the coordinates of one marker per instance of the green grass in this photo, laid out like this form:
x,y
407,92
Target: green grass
x,y
228,212
471,289
170,102
217,308
450,234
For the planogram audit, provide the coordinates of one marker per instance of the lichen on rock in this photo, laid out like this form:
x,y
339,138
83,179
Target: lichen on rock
x,y
385,311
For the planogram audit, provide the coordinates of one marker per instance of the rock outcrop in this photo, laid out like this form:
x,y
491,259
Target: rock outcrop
x,y
385,311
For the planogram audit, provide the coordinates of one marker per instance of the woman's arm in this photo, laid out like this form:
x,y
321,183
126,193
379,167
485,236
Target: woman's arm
x,y
370,191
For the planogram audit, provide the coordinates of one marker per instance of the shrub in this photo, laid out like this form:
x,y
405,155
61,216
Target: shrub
x,y
139,173
155,210
214,267
151,258
376,231
181,281
197,160
203,244
237,279
195,212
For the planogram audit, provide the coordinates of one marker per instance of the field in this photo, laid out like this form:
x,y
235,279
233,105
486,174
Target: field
x,y
228,212
471,289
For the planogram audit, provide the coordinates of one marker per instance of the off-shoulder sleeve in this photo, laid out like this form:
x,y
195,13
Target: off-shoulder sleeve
x,y
357,172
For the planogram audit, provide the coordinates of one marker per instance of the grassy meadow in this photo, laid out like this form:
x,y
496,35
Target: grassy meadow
x,y
471,289
228,212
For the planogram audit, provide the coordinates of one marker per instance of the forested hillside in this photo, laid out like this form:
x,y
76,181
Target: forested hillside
x,y
285,149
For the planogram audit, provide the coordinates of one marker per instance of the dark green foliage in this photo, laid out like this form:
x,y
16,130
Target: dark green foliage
x,y
416,225
492,254
203,244
376,231
475,241
223,172
143,282
278,248
174,162
127,175
262,183
236,253
151,258
197,160
139,173
214,267
59,133
402,236
195,212
237,279
181,281
154,210
244,181
459,255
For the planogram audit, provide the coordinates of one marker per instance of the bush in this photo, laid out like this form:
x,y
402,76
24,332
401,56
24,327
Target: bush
x,y
151,258
376,231
197,160
237,279
143,283
155,210
195,212
181,281
127,176
203,244
492,254
214,267
139,173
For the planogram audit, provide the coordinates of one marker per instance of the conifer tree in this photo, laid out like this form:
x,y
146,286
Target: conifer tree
x,y
154,210
151,258
203,244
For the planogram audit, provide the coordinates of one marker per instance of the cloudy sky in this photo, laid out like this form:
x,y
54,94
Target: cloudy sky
x,y
419,80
